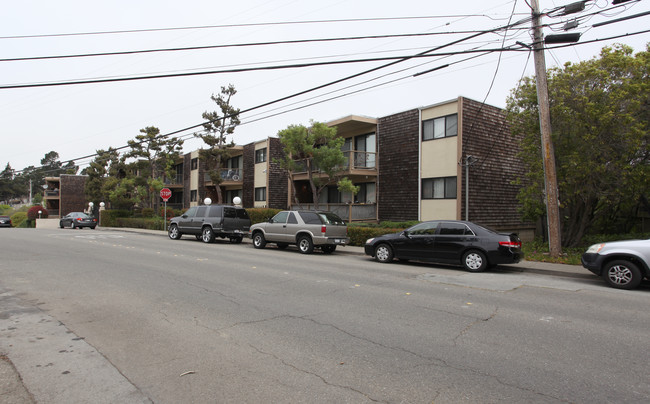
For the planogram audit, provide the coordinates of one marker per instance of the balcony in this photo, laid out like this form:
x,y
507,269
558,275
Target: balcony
x,y
52,194
357,163
175,180
228,176
350,212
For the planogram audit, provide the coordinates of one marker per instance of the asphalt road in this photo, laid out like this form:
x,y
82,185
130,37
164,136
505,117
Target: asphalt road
x,y
103,316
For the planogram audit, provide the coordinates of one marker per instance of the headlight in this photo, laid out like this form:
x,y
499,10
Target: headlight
x,y
595,249
370,240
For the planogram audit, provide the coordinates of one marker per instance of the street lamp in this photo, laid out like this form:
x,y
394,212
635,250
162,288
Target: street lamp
x,y
39,213
207,201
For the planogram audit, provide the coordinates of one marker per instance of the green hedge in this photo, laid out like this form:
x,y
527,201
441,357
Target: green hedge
x,y
359,234
19,219
108,218
259,215
140,223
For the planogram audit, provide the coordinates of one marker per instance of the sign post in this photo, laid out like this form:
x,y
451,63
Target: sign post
x,y
165,194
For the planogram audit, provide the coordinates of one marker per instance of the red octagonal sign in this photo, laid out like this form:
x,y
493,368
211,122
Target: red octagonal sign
x,y
165,194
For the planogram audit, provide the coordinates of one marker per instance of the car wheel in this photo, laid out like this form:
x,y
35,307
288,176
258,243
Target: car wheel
x,y
305,245
621,274
475,261
92,227
72,226
208,234
236,240
61,225
173,232
199,236
282,246
328,249
258,240
384,253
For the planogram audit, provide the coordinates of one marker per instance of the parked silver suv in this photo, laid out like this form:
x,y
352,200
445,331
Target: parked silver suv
x,y
623,264
306,229
210,221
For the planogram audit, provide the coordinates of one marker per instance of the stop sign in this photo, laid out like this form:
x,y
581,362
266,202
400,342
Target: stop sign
x,y
165,194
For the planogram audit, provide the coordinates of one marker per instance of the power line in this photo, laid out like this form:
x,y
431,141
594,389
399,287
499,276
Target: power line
x,y
191,48
261,24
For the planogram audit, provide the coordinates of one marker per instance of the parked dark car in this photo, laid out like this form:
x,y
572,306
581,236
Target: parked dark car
x,y
5,221
306,229
472,246
77,220
210,221
623,264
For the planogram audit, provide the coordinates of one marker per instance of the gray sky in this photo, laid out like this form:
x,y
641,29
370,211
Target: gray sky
x,y
77,120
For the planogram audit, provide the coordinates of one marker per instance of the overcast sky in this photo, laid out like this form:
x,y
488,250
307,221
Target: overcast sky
x,y
77,120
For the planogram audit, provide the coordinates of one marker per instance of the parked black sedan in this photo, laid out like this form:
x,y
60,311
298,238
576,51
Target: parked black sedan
x,y
77,220
474,247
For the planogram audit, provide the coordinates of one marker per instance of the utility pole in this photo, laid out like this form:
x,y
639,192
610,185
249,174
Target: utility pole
x,y
550,177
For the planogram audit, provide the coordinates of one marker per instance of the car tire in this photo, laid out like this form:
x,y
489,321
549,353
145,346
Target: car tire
x,y
384,253
328,249
174,233
622,274
282,246
207,234
258,240
305,245
475,261
92,227
72,226
236,240
61,225
199,237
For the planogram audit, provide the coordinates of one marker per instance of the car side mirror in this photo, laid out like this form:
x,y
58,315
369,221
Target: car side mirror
x,y
406,234
184,216
270,220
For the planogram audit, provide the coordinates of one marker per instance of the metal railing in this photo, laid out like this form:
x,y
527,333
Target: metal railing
x,y
228,174
355,160
350,212
175,180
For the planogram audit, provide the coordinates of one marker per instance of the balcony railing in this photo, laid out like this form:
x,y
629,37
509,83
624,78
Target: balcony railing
x,y
350,212
355,160
228,174
52,193
175,180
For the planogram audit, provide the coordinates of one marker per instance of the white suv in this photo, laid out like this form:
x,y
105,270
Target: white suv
x,y
623,264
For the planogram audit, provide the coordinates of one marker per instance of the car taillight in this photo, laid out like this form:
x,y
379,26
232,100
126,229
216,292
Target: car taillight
x,y
78,219
510,244
323,229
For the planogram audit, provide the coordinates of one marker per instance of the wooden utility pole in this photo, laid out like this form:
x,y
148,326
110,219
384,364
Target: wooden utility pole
x,y
550,177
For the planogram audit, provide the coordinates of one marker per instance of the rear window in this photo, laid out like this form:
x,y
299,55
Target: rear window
x,y
331,218
455,229
229,212
310,217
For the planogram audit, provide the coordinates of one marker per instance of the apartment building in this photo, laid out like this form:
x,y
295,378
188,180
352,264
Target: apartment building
x,y
65,194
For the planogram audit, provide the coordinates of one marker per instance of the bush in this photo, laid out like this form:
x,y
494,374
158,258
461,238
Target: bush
x,y
32,213
19,219
170,212
154,223
147,212
359,234
109,218
4,209
259,215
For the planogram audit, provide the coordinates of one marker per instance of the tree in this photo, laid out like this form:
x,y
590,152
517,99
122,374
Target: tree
x,y
317,149
107,164
157,155
220,124
8,187
600,114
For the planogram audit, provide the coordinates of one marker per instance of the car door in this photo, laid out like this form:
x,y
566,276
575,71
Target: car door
x,y
196,222
184,222
276,227
450,241
419,241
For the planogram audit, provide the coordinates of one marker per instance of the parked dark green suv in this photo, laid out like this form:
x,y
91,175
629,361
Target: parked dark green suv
x,y
210,221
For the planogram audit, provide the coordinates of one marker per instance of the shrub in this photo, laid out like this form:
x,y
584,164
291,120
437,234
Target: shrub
x,y
170,212
259,215
108,218
19,219
5,208
359,234
155,223
147,212
32,213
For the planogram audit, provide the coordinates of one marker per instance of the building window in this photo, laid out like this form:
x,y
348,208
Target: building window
x,y
194,163
260,194
439,188
439,128
260,155
194,195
